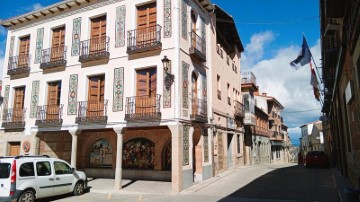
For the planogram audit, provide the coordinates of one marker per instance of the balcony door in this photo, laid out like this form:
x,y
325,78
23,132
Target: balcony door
x,y
98,34
96,96
193,29
24,52
54,94
58,42
18,109
146,91
146,24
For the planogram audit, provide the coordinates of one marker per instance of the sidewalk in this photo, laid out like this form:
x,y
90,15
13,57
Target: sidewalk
x,y
342,184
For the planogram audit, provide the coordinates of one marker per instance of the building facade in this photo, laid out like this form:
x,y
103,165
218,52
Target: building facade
x,y
124,89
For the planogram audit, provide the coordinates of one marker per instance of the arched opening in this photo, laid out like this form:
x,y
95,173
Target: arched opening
x,y
101,154
197,151
139,153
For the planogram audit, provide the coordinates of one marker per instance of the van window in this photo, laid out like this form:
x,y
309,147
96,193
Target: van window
x,y
62,168
43,168
5,170
27,169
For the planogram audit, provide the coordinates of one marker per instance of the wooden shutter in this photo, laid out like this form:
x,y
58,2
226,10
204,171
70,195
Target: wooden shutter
x,y
146,91
54,93
24,52
14,149
194,94
98,34
96,96
18,104
146,27
58,42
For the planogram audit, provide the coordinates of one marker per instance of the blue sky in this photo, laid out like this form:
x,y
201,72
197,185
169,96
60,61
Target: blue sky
x,y
271,32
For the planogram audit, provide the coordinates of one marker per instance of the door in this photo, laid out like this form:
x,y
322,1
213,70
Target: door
x,y
14,148
193,29
58,42
98,35
18,104
54,92
197,151
44,179
64,177
229,150
195,101
145,101
146,28
96,96
24,52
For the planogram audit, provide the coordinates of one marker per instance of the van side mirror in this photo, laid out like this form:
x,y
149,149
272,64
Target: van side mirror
x,y
72,170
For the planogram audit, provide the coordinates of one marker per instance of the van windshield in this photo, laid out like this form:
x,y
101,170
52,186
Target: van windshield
x,y
4,170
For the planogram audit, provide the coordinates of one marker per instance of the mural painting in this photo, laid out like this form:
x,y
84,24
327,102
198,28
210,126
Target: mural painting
x,y
139,153
101,153
167,158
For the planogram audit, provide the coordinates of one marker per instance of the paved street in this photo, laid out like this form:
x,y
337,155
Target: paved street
x,y
251,183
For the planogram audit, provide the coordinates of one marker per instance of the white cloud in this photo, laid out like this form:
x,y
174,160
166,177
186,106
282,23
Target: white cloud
x,y
292,89
36,6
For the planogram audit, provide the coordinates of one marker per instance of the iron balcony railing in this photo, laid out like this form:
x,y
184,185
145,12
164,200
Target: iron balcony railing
x,y
144,39
199,110
14,118
19,64
248,77
143,107
198,47
53,57
239,109
49,114
94,49
92,111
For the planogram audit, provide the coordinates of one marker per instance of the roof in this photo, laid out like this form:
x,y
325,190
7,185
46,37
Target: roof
x,y
43,12
270,98
226,31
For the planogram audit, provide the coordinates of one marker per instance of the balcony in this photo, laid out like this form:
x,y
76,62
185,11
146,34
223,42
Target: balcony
x,y
19,64
198,47
13,118
144,39
333,25
143,108
49,115
248,78
249,119
92,111
94,49
199,110
239,110
53,57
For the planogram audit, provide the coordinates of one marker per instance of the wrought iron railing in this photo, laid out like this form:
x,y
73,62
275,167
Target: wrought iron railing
x,y
198,46
248,77
49,114
13,117
144,39
52,57
95,48
239,109
199,109
142,107
19,64
92,111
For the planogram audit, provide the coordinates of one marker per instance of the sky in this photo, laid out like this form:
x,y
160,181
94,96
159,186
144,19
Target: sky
x,y
271,33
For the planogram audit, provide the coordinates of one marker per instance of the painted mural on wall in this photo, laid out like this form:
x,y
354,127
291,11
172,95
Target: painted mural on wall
x,y
139,153
167,155
101,153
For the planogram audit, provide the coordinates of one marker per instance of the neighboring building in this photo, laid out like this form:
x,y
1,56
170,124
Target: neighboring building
x,y
126,89
287,142
340,50
316,138
261,149
305,140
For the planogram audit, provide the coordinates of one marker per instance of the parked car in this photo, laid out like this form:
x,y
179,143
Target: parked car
x,y
24,178
316,159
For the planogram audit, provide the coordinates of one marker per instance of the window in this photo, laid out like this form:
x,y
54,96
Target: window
x,y
218,87
58,41
146,82
54,93
5,170
27,169
62,168
98,34
238,144
19,97
43,168
146,16
228,93
24,51
96,95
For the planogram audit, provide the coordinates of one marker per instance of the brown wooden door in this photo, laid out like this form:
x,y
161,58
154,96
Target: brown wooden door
x,y
193,29
58,42
96,96
18,104
14,148
54,93
146,91
146,28
24,52
194,94
98,34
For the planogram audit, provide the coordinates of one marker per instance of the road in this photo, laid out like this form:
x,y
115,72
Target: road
x,y
249,183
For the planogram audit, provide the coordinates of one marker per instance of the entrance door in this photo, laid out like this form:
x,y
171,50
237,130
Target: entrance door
x,y
197,151
229,150
14,148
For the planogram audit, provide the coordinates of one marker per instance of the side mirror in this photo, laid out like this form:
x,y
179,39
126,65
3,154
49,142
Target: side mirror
x,y
72,170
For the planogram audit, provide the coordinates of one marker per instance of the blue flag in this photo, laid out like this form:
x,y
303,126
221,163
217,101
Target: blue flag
x,y
303,58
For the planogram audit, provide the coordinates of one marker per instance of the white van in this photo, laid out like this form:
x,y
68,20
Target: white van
x,y
24,178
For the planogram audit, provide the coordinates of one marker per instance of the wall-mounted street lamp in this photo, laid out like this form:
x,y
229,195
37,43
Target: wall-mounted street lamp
x,y
169,78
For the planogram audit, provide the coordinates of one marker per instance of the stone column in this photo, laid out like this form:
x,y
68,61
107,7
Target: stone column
x,y
35,143
177,158
74,142
119,150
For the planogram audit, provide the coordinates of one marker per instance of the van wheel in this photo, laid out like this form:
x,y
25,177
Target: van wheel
x,y
79,188
27,196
